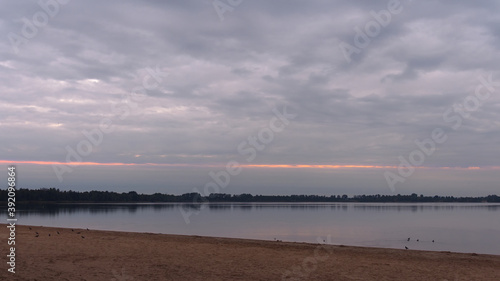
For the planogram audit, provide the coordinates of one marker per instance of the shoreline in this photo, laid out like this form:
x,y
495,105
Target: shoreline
x,y
252,239
103,255
269,240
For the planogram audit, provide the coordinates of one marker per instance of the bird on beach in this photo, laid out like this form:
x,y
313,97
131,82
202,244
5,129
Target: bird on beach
x,y
408,239
29,228
406,248
83,236
432,241
58,232
72,230
36,235
49,234
417,240
36,232
87,229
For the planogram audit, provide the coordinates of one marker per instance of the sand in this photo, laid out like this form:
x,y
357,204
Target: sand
x,y
109,255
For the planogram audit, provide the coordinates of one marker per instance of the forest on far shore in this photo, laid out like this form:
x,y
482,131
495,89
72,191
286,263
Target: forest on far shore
x,y
57,196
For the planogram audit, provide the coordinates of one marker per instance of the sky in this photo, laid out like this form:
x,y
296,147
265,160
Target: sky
x,y
260,97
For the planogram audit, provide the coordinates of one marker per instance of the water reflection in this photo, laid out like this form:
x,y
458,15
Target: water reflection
x,y
462,227
95,209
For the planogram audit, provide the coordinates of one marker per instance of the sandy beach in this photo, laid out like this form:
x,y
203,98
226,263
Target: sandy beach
x,y
81,254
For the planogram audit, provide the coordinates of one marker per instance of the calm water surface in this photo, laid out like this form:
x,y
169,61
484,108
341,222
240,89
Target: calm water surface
x,y
454,227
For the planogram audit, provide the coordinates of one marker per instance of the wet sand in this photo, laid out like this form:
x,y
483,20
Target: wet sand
x,y
109,255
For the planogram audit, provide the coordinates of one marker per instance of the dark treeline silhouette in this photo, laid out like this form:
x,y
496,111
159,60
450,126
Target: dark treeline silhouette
x,y
56,195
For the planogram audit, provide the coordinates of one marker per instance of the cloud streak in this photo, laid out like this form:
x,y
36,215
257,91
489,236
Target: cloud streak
x,y
262,166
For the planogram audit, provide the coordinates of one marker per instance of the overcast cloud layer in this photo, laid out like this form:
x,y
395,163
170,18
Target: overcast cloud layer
x,y
221,79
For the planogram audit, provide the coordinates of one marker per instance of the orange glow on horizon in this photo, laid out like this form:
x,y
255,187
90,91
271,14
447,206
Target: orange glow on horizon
x,y
268,166
287,166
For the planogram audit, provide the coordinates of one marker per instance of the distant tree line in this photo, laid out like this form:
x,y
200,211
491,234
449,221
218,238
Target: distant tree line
x,y
58,196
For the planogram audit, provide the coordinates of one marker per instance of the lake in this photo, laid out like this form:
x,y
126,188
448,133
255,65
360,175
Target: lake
x,y
456,227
